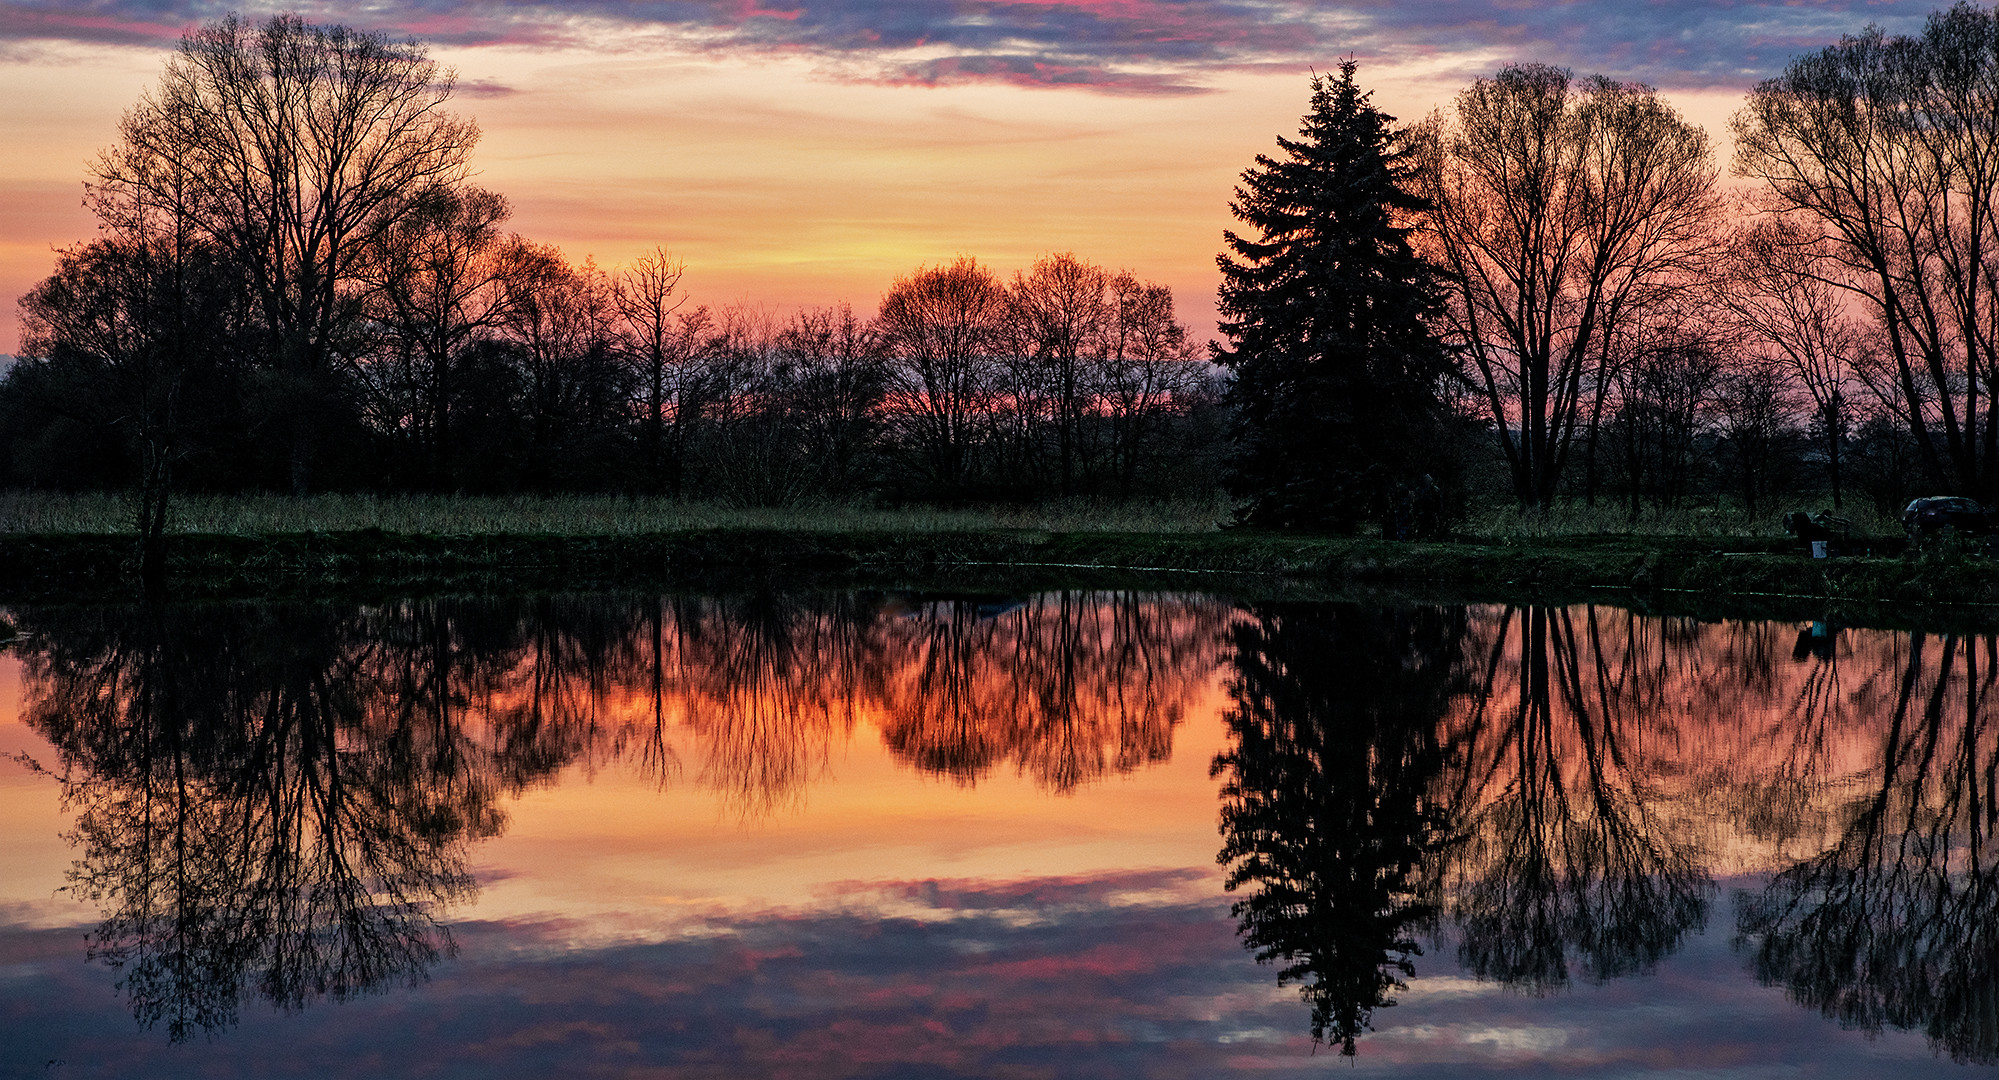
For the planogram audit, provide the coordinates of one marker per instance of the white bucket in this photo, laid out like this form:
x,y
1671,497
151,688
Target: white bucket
x,y
1818,549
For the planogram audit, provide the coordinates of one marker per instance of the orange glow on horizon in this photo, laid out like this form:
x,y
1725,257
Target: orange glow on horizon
x,y
780,185
960,743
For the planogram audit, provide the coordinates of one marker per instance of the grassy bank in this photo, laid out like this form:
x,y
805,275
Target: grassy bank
x,y
52,565
1607,518
100,514
58,547
39,514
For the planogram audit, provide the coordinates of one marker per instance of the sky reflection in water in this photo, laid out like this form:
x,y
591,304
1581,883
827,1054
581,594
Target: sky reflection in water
x,y
878,835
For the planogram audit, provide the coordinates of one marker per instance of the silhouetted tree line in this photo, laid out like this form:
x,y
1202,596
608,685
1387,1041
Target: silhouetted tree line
x,y
1535,294
296,287
1548,265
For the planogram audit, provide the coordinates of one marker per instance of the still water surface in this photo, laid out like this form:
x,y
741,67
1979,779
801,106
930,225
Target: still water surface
x,y
1069,834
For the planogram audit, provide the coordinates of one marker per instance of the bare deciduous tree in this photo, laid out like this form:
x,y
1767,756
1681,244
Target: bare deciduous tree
x,y
438,282
1062,310
308,144
127,328
841,375
1752,409
561,319
1148,369
1662,393
942,326
750,432
663,346
1792,317
1886,146
1561,209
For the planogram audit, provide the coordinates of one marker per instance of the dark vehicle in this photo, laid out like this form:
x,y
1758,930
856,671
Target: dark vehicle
x,y
1933,516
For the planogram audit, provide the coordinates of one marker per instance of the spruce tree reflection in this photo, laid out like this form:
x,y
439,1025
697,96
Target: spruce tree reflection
x,y
1390,767
1897,923
251,818
1328,815
1564,860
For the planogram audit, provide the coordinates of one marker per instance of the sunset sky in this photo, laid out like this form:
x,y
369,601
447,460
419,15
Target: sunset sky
x,y
807,152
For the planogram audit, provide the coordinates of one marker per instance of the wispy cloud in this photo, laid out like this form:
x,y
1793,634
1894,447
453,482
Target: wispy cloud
x,y
484,88
1111,46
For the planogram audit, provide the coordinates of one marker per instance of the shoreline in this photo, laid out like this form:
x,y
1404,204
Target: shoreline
x,y
1703,576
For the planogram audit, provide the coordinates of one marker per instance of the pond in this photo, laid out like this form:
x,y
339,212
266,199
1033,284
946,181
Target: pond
x,y
1065,834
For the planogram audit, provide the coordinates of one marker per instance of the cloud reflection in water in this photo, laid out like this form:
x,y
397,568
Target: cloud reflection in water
x,y
278,800
1425,809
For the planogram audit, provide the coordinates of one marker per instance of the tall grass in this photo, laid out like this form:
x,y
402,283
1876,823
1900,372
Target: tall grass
x,y
611,515
1607,519
581,515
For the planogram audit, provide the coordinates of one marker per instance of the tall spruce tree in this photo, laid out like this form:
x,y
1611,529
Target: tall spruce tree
x,y
1335,369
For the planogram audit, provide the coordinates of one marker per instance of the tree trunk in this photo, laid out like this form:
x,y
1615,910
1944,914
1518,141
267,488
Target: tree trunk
x,y
155,488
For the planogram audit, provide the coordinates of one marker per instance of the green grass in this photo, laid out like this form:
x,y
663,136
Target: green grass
x,y
103,514
65,547
35,513
1610,519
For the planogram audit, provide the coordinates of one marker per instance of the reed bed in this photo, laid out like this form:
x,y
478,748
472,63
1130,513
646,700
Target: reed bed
x,y
108,514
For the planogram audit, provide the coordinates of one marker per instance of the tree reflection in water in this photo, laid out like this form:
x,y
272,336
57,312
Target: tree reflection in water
x,y
1553,788
254,809
1563,859
1067,689
1328,811
280,800
1897,922
1390,766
